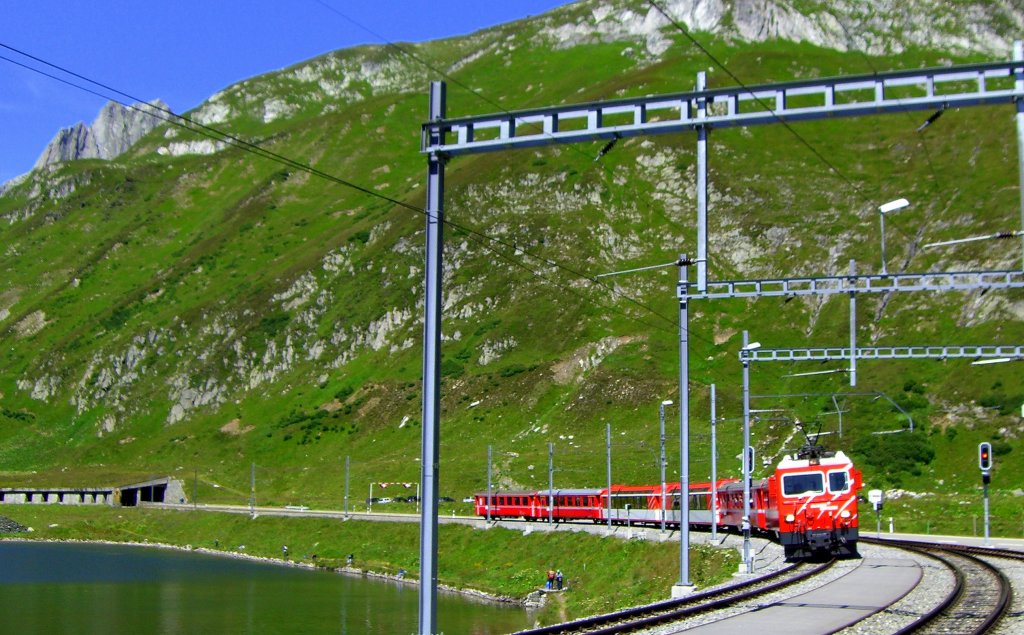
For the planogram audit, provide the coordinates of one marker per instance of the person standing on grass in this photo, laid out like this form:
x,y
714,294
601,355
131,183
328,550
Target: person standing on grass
x,y
559,579
551,579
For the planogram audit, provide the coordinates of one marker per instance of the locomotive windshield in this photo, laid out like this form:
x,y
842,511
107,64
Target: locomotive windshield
x,y
838,482
797,484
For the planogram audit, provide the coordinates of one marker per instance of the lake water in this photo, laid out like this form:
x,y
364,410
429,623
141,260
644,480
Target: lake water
x,y
50,588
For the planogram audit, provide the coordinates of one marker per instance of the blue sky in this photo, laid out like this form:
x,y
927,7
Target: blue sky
x,y
184,51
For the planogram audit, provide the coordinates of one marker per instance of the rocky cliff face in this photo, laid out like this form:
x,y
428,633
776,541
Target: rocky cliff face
x,y
115,130
876,27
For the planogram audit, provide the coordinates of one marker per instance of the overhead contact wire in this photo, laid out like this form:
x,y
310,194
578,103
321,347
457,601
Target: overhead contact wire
x,y
760,101
434,67
219,135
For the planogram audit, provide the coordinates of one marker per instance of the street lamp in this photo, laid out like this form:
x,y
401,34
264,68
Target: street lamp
x,y
996,360
974,239
661,420
745,358
714,474
891,206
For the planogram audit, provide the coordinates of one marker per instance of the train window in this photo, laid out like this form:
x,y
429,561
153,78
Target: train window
x,y
797,484
838,482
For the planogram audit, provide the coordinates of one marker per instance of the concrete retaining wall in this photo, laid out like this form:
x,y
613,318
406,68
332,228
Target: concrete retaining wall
x,y
157,490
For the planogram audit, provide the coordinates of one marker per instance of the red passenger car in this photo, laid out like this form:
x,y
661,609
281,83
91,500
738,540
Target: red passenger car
x,y
564,505
506,505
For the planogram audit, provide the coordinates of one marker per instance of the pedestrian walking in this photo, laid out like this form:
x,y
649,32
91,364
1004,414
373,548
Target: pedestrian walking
x,y
551,579
559,579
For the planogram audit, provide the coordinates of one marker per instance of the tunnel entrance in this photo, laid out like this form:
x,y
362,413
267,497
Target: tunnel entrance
x,y
154,491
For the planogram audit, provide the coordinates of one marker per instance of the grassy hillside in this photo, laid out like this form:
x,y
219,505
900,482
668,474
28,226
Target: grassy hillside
x,y
191,314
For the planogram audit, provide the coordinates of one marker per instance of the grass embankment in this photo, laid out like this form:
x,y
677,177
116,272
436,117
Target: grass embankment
x,y
603,573
957,514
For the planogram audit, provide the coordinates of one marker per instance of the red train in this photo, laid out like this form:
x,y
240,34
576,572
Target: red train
x,y
809,503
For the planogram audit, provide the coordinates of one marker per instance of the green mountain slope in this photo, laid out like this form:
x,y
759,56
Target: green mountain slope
x,y
192,308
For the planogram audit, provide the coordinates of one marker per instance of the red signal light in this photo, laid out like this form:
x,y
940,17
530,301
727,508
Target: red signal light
x,y
985,456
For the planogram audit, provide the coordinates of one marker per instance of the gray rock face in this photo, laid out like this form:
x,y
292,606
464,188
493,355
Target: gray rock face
x,y
115,130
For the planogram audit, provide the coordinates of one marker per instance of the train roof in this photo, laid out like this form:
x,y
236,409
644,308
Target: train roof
x,y
837,459
544,492
633,488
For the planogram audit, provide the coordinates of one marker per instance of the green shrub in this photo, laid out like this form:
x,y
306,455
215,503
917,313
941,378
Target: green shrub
x,y
1001,448
362,236
271,325
452,368
895,455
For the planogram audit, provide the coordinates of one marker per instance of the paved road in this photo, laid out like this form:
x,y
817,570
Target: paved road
x,y
652,534
635,533
305,512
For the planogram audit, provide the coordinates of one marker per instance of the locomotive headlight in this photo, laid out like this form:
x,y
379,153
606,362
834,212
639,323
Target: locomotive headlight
x,y
790,518
844,514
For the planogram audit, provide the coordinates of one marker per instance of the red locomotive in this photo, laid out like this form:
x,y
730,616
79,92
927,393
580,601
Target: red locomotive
x,y
809,503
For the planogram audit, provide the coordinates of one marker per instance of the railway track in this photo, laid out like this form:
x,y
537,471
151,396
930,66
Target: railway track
x,y
980,597
633,619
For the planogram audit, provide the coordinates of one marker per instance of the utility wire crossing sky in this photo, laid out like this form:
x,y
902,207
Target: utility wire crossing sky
x,y
184,52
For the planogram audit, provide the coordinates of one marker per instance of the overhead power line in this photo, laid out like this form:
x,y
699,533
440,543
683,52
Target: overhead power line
x,y
921,139
757,99
856,188
187,123
435,67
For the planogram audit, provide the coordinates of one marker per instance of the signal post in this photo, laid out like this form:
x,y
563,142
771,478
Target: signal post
x,y
985,464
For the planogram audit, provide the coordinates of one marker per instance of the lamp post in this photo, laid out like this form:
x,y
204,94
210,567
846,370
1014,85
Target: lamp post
x,y
714,471
661,419
891,206
488,487
608,450
551,483
744,357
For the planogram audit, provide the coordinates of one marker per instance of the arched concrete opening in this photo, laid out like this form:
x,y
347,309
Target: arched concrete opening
x,y
158,490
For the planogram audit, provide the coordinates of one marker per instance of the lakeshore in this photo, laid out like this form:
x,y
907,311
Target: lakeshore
x,y
59,586
494,565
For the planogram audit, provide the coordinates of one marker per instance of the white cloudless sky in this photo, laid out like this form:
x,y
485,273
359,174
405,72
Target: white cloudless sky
x,y
184,51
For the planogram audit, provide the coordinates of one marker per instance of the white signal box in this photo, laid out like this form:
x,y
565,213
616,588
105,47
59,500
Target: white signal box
x,y
876,497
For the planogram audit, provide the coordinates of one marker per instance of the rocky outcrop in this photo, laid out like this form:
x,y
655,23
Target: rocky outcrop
x,y
875,27
8,526
115,130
